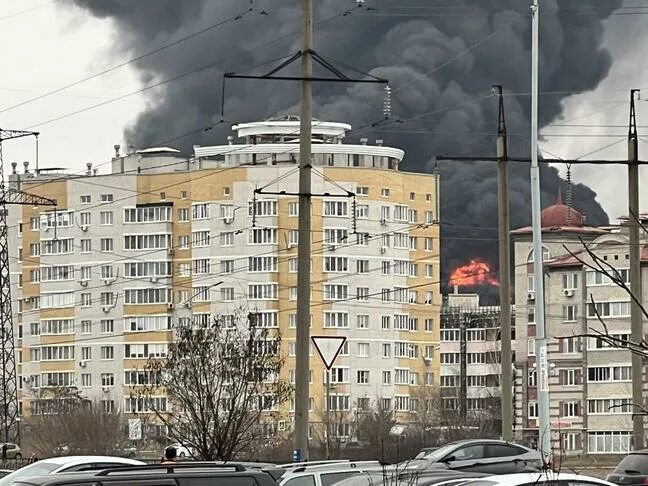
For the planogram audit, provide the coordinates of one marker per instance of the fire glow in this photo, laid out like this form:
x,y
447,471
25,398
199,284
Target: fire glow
x,y
473,274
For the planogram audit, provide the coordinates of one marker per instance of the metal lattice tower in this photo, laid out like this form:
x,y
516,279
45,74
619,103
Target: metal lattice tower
x,y
9,429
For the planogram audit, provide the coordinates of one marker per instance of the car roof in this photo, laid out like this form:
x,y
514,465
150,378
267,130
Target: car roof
x,y
143,473
524,478
73,460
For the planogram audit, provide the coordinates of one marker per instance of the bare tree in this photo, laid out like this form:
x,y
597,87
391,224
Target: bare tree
x,y
64,422
222,385
374,427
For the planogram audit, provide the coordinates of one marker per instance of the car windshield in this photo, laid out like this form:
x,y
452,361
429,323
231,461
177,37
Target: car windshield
x,y
40,468
633,462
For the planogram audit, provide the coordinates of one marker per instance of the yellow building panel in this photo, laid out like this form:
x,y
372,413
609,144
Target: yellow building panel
x,y
54,339
63,313
145,309
148,337
52,366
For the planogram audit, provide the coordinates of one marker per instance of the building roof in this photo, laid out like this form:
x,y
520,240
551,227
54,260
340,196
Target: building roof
x,y
560,214
560,218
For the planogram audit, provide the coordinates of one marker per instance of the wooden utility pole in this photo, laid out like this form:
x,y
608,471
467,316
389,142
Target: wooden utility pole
x,y
504,241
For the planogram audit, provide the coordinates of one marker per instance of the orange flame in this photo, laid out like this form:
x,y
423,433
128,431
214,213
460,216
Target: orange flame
x,y
472,274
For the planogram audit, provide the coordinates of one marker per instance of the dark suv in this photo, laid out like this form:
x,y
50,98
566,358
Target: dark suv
x,y
176,474
633,469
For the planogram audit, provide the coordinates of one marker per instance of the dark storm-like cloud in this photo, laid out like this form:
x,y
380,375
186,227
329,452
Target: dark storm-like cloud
x,y
440,90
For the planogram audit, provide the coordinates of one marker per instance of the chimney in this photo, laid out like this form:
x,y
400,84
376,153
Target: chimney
x,y
95,171
379,142
13,167
89,166
364,141
116,147
456,290
26,166
230,139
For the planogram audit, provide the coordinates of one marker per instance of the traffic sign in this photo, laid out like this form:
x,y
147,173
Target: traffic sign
x,y
328,348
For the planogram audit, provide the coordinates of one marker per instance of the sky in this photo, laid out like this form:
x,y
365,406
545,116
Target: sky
x,y
45,47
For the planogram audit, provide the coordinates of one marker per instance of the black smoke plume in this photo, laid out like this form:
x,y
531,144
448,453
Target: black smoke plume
x,y
440,100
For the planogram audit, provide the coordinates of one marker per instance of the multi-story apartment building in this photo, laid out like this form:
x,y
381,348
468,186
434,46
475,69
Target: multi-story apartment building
x,y
471,352
590,382
100,283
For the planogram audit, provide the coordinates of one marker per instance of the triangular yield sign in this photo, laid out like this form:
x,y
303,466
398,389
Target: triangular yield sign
x,y
328,347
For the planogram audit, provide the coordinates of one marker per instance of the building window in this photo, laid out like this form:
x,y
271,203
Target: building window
x,y
336,319
429,325
533,410
362,293
86,199
293,209
533,378
107,352
570,313
107,245
384,192
362,211
386,350
84,219
107,379
362,266
183,242
613,442
362,191
570,281
106,218
106,198
183,215
571,409
362,321
107,326
86,299
363,350
200,211
336,208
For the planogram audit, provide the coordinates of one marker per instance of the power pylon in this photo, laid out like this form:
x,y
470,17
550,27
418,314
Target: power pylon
x,y
9,429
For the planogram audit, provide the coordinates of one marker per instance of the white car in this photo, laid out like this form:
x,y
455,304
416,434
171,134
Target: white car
x,y
184,451
326,474
545,478
56,465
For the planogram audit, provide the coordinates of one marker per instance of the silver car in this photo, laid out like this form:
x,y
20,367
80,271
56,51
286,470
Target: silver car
x,y
480,455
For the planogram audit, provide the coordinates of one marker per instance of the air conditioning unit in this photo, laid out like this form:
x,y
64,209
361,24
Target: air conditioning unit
x,y
531,295
27,300
106,308
83,283
568,292
383,221
154,279
108,281
292,245
187,304
171,251
84,228
383,250
427,361
105,389
332,247
170,305
281,425
228,220
82,364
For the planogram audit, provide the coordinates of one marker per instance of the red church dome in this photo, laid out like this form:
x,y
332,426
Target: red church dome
x,y
561,215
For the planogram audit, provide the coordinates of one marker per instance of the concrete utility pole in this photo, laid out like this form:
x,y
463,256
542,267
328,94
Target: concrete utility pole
x,y
463,367
636,325
544,424
302,364
506,383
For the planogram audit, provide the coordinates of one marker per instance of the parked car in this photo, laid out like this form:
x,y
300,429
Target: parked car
x,y
633,469
183,451
480,455
327,474
180,474
277,471
393,475
544,478
4,472
11,450
57,465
